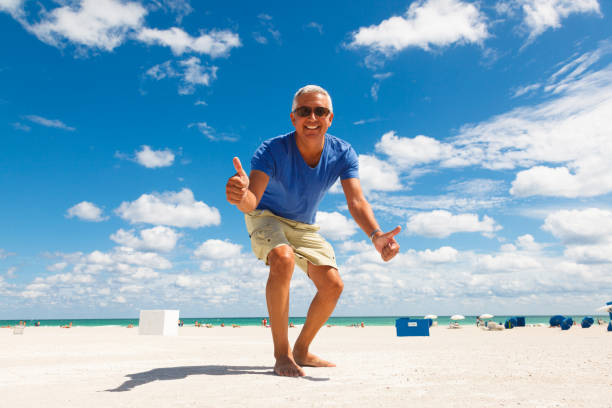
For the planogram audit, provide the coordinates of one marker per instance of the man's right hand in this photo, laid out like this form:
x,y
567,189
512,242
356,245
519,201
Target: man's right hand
x,y
237,186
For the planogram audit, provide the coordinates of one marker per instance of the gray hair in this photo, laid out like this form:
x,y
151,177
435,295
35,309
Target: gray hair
x,y
311,89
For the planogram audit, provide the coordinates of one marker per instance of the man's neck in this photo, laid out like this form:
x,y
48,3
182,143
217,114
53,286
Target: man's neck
x,y
311,152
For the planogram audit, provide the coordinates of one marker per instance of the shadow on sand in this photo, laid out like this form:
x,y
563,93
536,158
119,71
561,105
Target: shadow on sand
x,y
177,373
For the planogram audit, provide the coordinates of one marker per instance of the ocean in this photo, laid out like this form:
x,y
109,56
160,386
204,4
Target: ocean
x,y
256,321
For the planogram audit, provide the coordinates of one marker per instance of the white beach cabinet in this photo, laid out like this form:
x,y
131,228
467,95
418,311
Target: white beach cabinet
x,y
159,322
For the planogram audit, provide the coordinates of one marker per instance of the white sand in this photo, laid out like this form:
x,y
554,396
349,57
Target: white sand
x,y
224,367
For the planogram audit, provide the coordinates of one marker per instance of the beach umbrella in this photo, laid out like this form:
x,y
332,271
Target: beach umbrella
x,y
606,308
486,316
430,317
457,317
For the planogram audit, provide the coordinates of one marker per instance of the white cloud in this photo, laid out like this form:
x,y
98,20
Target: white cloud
x,y
130,256
106,24
86,211
21,126
588,254
377,175
526,89
196,74
260,38
45,286
98,257
353,246
506,262
527,243
153,239
154,158
173,209
426,24
131,288
441,255
408,152
4,254
10,273
57,267
266,27
315,26
190,71
542,138
102,24
441,224
335,226
211,134
540,15
13,7
591,225
52,123
587,234
364,121
215,43
180,8
217,249
163,70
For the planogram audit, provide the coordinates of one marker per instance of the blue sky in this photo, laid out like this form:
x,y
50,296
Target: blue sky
x,y
483,129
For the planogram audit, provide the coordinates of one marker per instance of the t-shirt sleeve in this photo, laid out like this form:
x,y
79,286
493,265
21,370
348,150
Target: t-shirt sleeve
x,y
263,161
351,168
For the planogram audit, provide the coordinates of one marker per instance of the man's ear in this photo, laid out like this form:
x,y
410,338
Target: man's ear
x,y
331,117
292,118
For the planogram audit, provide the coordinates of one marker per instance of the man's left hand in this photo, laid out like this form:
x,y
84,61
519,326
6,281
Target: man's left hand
x,y
386,244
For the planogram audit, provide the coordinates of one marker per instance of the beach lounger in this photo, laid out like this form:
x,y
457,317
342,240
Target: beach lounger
x,y
494,326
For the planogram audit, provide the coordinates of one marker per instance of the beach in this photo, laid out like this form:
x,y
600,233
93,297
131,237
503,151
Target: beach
x,y
232,367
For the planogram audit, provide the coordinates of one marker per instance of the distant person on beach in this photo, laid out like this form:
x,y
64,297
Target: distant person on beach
x,y
69,325
290,175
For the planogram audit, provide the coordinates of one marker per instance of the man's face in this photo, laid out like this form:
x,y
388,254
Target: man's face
x,y
312,126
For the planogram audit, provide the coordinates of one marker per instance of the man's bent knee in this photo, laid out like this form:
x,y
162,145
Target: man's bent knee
x,y
281,258
333,286
336,287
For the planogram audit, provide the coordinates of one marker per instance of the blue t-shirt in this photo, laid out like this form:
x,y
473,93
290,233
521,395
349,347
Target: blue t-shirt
x,y
295,189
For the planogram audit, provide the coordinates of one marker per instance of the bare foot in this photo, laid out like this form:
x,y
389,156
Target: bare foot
x,y
310,360
286,367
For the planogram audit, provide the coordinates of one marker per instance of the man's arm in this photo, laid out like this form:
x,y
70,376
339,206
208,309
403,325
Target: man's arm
x,y
362,213
243,191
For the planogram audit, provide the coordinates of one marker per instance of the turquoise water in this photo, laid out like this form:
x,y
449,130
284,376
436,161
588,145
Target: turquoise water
x,y
256,321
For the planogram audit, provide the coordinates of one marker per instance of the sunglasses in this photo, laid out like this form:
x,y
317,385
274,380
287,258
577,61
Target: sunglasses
x,y
305,111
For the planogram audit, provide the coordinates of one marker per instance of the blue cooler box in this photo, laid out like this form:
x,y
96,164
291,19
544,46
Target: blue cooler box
x,y
412,327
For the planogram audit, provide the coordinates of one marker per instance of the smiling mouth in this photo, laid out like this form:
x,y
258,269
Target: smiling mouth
x,y
311,127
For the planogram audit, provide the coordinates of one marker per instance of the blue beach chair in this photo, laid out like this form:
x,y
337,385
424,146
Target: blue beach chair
x,y
567,323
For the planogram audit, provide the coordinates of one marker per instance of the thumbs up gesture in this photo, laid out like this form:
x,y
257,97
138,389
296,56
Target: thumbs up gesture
x,y
386,244
238,185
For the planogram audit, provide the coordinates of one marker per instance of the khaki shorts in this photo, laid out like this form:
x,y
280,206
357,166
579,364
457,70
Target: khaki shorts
x,y
268,231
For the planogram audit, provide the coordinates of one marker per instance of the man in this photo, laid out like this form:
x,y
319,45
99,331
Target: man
x,y
290,174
